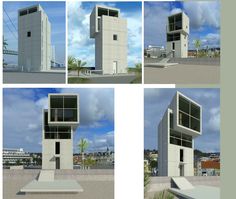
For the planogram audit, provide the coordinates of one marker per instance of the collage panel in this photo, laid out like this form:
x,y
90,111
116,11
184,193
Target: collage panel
x,y
183,47
182,143
58,143
104,42
34,42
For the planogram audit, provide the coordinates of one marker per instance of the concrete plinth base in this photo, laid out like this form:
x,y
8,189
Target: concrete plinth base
x,y
56,186
46,183
160,65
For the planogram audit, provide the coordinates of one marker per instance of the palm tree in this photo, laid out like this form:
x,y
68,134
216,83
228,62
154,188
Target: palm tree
x,y
197,44
83,145
75,64
138,72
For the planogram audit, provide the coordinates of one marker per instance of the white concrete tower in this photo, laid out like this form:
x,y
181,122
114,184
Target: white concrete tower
x,y
59,123
110,33
34,39
181,123
177,35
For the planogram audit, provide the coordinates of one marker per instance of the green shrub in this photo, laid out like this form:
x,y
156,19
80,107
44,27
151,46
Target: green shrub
x,y
163,195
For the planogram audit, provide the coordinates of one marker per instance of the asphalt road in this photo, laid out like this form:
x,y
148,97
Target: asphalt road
x,y
33,78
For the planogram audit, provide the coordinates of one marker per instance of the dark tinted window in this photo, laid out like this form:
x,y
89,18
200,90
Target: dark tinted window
x,y
23,12
57,150
31,10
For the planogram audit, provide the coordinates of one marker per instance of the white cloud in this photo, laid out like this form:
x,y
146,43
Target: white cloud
x,y
203,13
175,11
214,120
101,142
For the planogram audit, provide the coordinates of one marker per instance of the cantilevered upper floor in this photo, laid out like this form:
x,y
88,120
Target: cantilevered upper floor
x,y
63,109
178,23
96,17
186,115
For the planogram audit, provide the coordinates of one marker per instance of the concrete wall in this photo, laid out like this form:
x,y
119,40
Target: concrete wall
x,y
34,51
174,160
163,140
114,50
66,153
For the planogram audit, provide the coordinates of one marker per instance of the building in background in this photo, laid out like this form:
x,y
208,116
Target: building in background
x,y
155,51
177,35
34,39
16,157
110,33
59,124
208,166
181,123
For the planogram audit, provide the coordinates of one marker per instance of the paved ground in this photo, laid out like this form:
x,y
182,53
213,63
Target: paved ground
x,y
158,184
33,78
182,74
97,184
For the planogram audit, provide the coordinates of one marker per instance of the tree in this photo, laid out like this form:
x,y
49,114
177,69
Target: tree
x,y
138,73
197,44
75,64
83,145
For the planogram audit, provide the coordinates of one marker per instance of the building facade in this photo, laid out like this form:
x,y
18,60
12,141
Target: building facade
x,y
181,123
177,35
110,33
16,156
60,121
34,39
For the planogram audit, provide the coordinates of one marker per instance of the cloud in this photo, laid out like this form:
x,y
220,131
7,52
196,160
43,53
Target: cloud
x,y
214,120
203,13
101,142
175,11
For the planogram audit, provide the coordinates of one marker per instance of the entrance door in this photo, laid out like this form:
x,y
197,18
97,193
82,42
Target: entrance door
x,y
57,163
181,170
114,67
173,49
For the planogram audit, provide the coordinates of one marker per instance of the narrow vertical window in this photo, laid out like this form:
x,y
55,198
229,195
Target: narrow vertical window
x,y
28,34
181,157
57,147
115,38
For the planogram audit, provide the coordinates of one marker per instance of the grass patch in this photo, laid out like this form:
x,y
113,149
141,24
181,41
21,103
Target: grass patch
x,y
78,80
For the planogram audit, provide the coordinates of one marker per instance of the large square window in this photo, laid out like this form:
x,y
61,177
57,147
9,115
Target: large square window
x,y
183,105
70,102
70,115
56,102
195,124
195,111
183,119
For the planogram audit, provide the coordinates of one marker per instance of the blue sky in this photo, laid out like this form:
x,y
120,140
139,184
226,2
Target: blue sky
x,y
56,15
204,19
82,47
156,102
22,117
